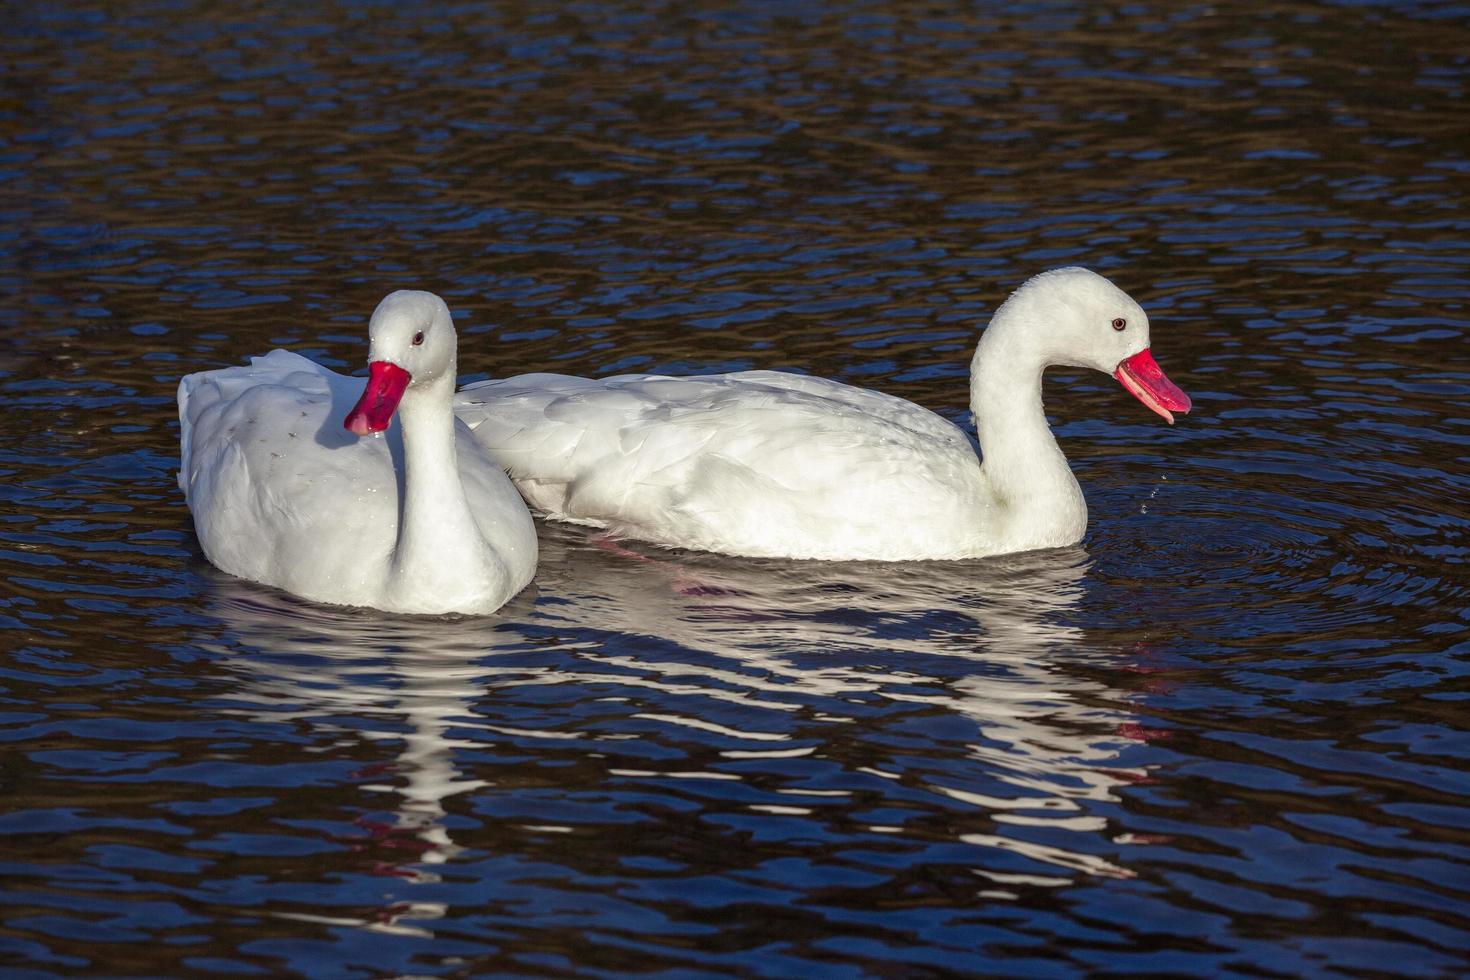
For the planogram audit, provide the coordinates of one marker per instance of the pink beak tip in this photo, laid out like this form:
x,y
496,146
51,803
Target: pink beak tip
x,y
1146,381
380,396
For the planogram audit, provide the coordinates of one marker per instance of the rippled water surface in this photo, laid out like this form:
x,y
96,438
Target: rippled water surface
x,y
1227,735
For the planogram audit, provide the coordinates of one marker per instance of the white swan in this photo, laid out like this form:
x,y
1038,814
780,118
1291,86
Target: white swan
x,y
762,463
422,521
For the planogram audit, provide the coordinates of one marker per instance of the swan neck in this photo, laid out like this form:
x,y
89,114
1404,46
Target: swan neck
x,y
1024,468
437,533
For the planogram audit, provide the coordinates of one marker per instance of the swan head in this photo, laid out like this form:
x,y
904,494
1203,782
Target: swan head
x,y
1074,317
411,341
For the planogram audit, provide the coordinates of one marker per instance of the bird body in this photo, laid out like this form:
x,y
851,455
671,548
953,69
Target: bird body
x,y
414,518
764,463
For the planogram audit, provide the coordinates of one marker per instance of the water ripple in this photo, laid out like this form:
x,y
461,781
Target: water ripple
x,y
1225,737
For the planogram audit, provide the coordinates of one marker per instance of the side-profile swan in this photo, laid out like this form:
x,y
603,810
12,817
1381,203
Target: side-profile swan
x,y
284,492
763,463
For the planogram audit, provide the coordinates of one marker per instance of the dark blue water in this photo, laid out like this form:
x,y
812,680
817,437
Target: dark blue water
x,y
1228,735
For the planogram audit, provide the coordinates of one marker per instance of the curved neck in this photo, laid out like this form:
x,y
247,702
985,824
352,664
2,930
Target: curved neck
x,y
1031,484
437,535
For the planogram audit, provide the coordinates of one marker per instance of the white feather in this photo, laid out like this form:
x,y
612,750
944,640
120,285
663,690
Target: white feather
x,y
763,463
282,494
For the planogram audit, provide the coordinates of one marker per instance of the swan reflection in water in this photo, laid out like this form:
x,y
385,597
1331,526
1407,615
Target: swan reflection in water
x,y
798,647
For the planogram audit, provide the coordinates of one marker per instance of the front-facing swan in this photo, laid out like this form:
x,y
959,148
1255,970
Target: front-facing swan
x,y
783,465
422,521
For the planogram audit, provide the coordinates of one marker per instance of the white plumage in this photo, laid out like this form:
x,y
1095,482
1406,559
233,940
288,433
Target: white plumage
x,y
417,519
764,463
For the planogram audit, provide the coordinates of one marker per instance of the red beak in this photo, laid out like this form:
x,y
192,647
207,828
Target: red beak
x,y
1146,381
374,410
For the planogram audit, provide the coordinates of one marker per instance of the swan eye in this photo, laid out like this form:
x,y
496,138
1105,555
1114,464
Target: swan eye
x,y
1118,324
418,338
